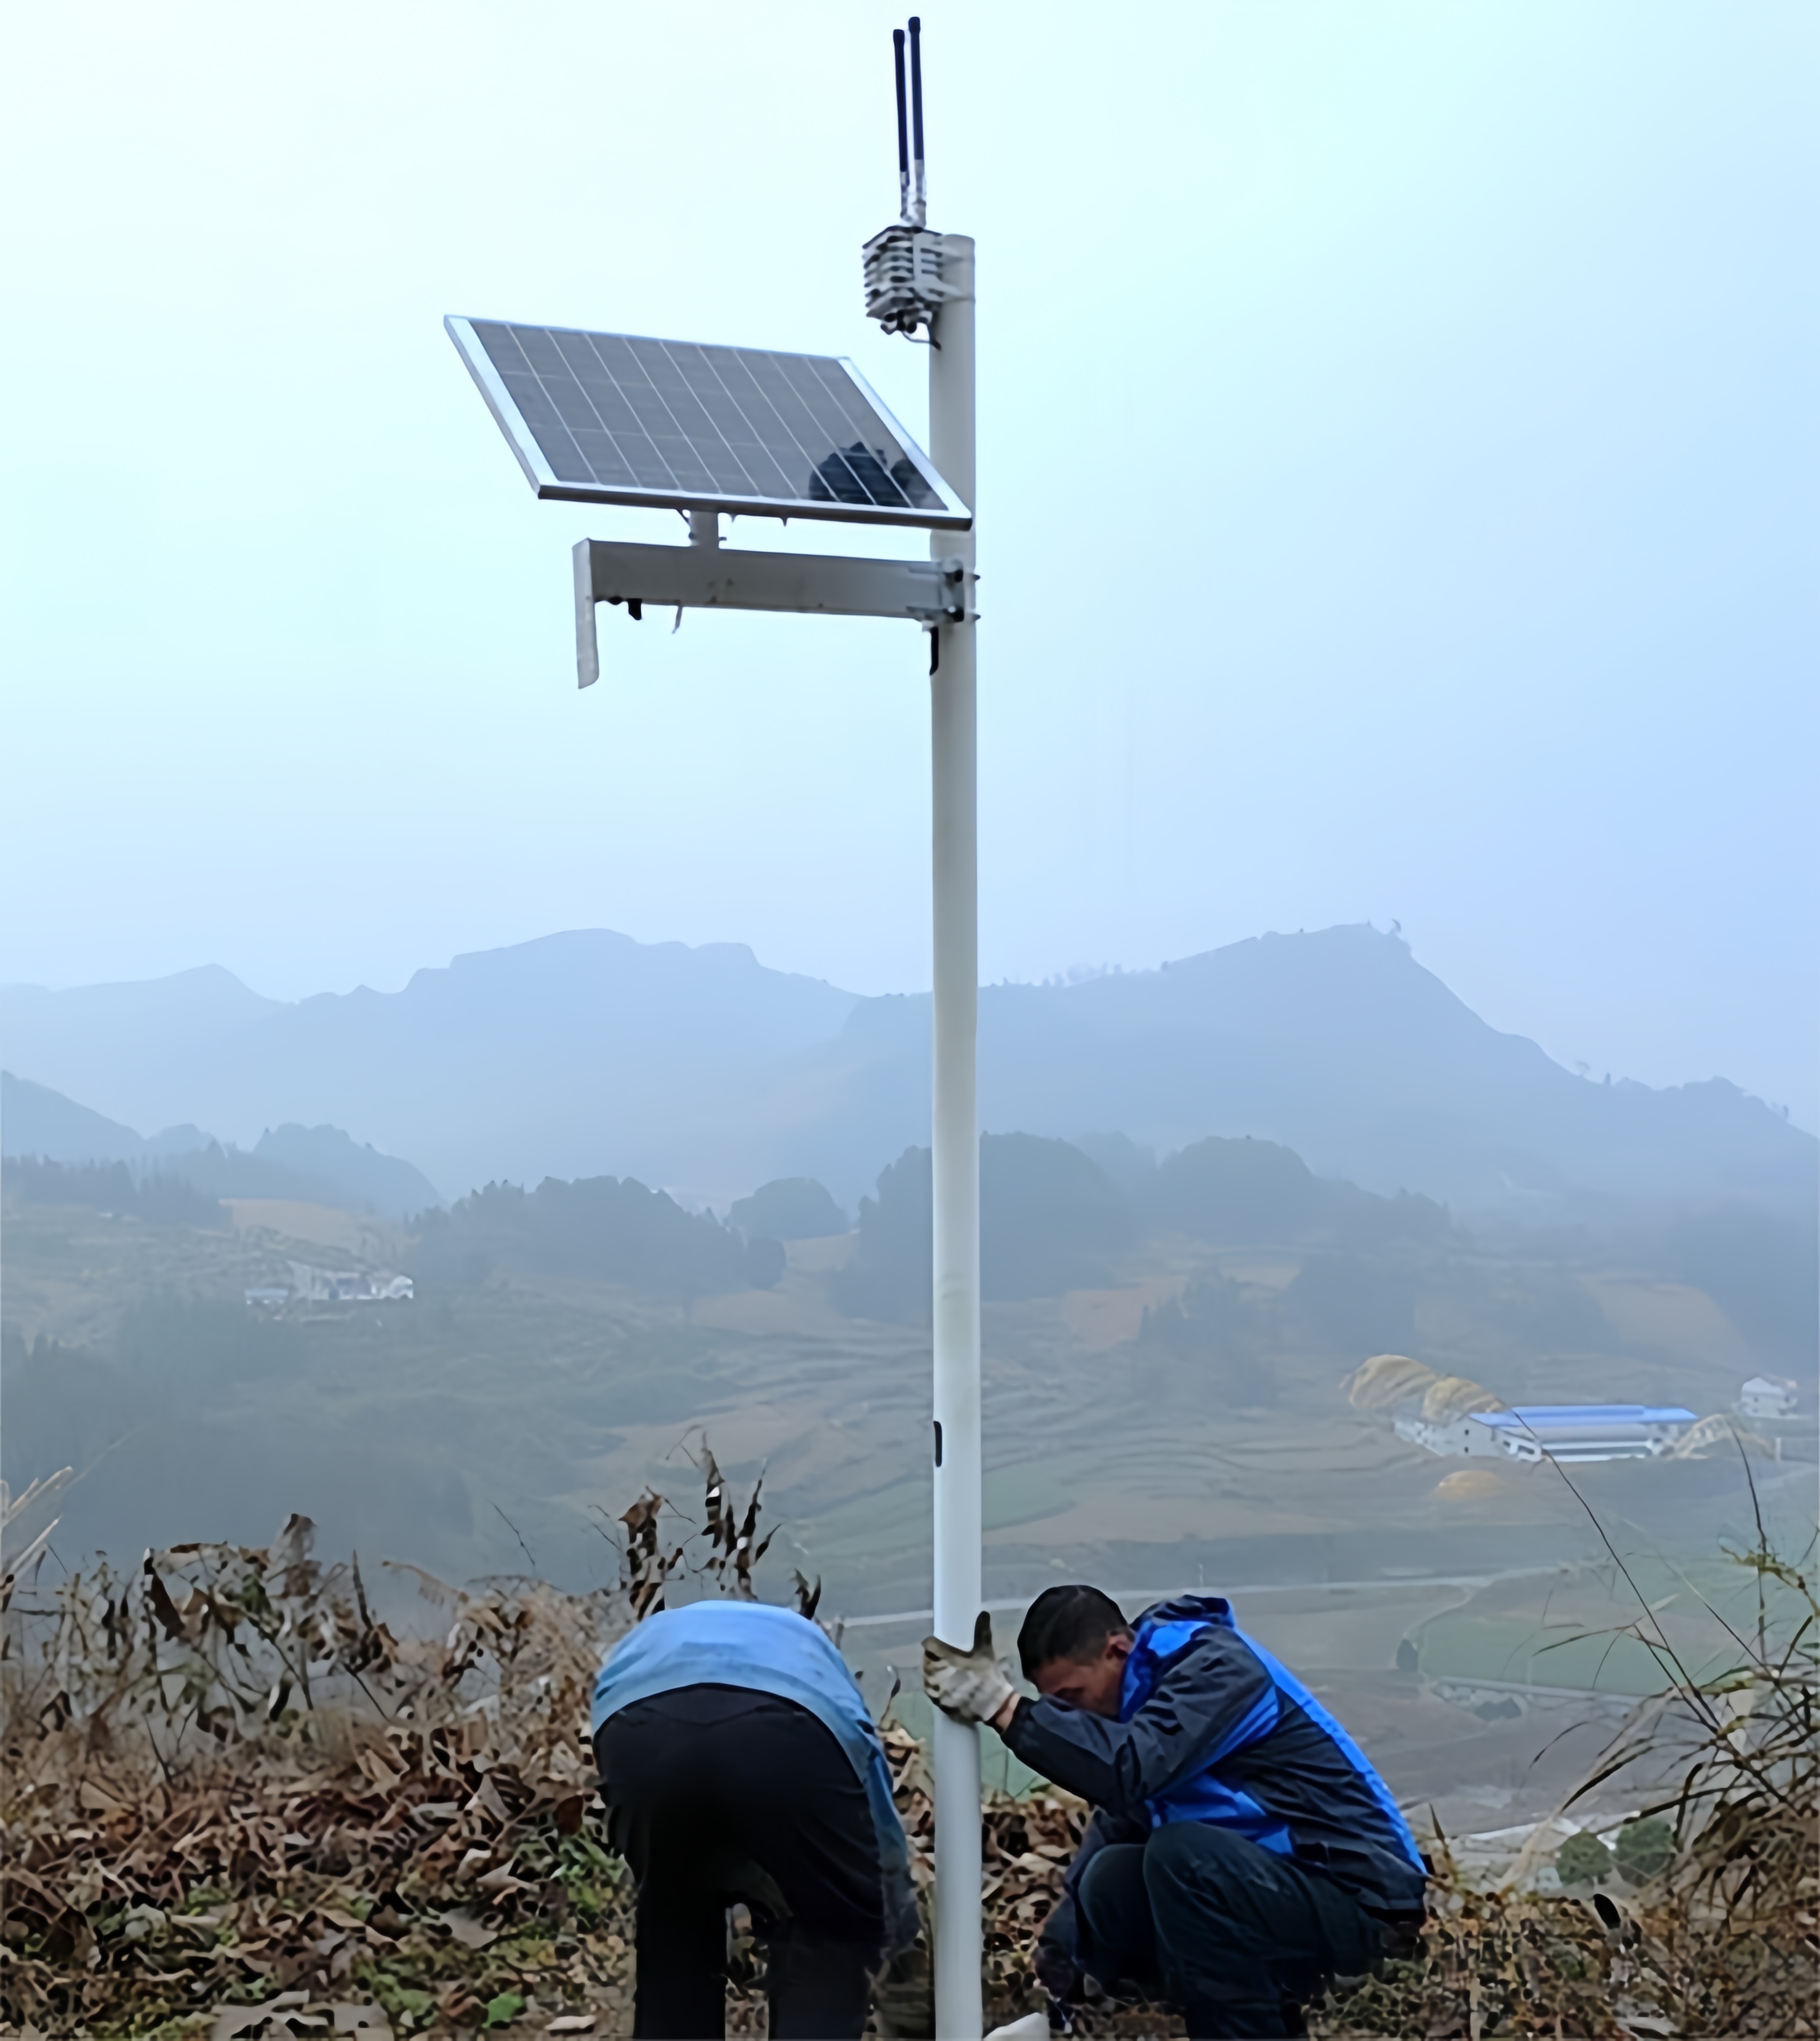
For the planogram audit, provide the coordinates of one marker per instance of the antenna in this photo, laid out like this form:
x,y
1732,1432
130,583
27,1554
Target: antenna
x,y
903,262
903,132
918,213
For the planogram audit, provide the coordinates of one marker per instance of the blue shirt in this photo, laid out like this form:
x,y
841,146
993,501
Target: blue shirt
x,y
768,1651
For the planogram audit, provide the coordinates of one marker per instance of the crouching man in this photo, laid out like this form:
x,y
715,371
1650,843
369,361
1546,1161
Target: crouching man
x,y
1241,1850
739,1763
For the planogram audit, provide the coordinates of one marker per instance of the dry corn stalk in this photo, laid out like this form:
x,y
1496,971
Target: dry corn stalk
x,y
224,1783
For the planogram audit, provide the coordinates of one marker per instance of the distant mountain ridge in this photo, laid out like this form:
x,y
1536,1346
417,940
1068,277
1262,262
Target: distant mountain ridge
x,y
578,1054
699,1070
318,1165
35,1120
1338,1045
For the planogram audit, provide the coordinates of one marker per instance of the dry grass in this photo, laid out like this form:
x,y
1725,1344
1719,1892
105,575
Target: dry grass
x,y
225,1780
227,1785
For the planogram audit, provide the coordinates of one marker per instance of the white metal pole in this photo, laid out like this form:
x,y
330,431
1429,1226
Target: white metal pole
x,y
959,1947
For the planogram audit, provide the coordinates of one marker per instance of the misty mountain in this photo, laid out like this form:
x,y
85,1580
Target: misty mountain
x,y
107,1042
35,1120
587,1054
317,1165
553,1058
1338,1045
384,1184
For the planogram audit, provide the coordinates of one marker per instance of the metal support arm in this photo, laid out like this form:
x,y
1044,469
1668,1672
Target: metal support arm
x,y
702,576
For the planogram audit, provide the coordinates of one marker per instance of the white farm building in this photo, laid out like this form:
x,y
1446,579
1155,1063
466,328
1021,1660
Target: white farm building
x,y
1769,1396
1556,1431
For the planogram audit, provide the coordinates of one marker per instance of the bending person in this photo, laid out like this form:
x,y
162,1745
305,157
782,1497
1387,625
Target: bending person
x,y
1241,1853
739,1762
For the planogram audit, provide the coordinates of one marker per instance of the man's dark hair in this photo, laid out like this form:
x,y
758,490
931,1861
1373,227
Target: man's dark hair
x,y
1070,1623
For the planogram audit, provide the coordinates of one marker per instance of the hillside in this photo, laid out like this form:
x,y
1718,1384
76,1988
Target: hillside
x,y
1165,1363
1337,1044
1163,1374
576,1055
698,1070
36,1120
315,1164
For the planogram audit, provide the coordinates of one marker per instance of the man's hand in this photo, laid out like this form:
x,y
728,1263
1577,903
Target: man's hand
x,y
967,1684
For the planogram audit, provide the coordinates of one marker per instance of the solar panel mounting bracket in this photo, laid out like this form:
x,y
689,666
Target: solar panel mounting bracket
x,y
702,576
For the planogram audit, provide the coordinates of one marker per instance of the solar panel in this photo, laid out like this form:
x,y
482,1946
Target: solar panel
x,y
612,417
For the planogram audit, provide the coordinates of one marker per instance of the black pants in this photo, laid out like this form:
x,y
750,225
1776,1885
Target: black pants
x,y
718,1794
1234,1936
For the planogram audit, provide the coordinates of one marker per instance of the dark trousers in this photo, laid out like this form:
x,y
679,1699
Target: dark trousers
x,y
718,1794
1234,1936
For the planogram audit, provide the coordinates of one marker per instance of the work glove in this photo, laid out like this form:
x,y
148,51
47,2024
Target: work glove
x,y
966,1684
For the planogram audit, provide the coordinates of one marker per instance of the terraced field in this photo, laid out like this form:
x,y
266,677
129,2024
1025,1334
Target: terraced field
x,y
504,1428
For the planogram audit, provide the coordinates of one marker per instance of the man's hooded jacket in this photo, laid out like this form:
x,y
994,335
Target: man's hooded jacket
x,y
1212,1729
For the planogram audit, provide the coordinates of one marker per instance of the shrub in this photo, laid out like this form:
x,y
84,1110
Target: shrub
x,y
1643,1850
1583,1860
764,1263
788,1208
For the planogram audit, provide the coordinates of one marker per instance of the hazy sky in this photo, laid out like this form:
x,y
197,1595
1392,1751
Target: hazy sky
x,y
1397,446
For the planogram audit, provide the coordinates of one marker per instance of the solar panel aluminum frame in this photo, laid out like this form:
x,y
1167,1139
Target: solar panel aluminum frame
x,y
953,517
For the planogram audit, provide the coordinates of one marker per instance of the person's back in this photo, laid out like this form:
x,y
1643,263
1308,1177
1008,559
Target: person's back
x,y
738,1761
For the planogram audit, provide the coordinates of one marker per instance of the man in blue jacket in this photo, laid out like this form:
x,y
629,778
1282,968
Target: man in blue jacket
x,y
1242,1851
739,1763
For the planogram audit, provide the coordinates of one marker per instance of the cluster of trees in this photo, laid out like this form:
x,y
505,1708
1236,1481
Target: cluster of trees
x,y
789,1208
1054,1218
240,1173
160,1195
168,1342
171,1358
64,1408
1763,1271
611,1229
311,1166
198,1418
1050,1219
1356,1303
1242,1192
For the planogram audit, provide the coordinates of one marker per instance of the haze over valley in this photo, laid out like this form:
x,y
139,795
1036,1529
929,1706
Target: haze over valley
x,y
646,1195
701,1071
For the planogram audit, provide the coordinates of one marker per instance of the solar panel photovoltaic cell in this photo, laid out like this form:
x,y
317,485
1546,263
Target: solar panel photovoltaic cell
x,y
617,418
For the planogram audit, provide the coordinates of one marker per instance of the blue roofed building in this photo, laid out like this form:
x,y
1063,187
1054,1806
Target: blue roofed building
x,y
1552,1431
1584,1431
